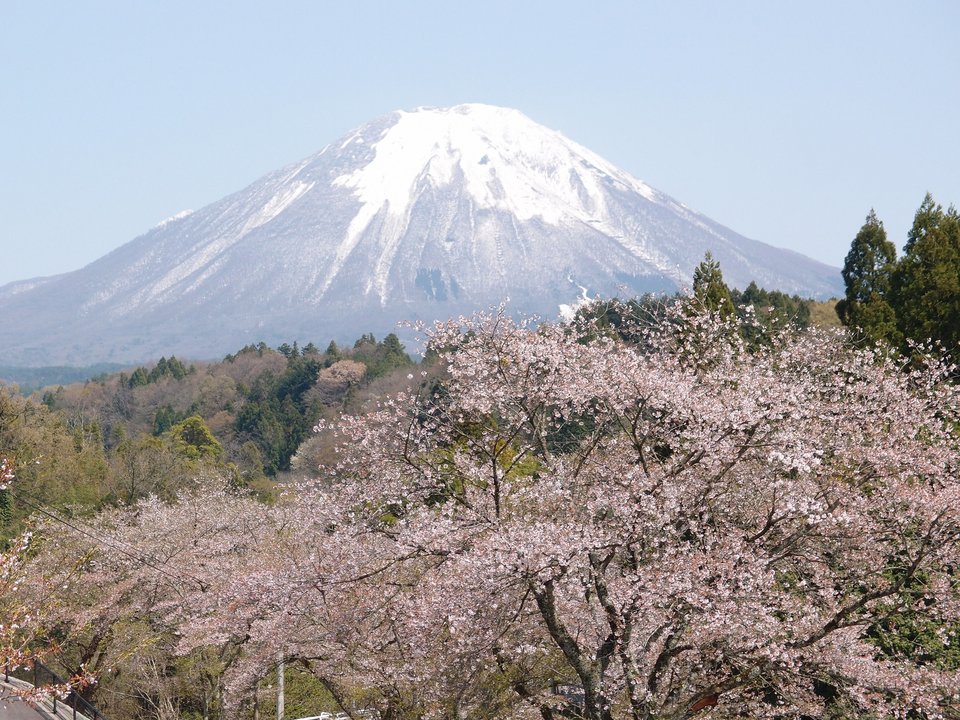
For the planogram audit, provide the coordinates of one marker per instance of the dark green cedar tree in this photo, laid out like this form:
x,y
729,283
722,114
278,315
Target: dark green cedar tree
x,y
710,290
926,284
868,273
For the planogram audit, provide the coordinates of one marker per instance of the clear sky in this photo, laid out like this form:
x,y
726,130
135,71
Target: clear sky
x,y
786,121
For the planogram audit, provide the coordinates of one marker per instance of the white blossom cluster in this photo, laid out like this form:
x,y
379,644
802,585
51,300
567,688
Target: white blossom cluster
x,y
675,525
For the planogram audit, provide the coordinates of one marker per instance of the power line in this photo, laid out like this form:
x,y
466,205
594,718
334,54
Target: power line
x,y
130,551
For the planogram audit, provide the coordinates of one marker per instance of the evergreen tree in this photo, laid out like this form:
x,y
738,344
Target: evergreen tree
x,y
709,289
138,378
176,369
868,273
771,311
165,418
380,357
365,339
193,439
332,354
159,370
276,416
926,292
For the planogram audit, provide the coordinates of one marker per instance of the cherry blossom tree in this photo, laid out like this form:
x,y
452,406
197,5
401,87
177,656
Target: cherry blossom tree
x,y
15,620
672,527
25,618
680,524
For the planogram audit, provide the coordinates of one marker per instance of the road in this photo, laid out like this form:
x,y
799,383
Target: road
x,y
15,709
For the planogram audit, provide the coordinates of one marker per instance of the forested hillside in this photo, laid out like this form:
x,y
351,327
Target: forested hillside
x,y
155,430
729,511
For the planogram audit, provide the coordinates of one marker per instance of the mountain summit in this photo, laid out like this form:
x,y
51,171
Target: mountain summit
x,y
417,215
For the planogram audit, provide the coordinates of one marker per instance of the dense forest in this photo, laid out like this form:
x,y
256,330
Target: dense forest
x,y
913,299
713,505
154,430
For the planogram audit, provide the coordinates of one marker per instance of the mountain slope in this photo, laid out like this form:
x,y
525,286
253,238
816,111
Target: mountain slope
x,y
416,215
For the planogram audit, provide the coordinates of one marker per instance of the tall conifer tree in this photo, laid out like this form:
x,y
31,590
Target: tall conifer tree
x,y
710,289
926,290
868,274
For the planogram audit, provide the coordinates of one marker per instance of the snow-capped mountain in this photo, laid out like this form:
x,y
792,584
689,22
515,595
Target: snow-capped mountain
x,y
417,215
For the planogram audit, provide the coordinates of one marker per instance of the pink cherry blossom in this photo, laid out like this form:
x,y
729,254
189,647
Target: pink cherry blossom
x,y
679,525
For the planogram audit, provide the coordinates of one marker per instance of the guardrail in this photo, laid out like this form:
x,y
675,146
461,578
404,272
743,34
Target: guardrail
x,y
365,714
40,676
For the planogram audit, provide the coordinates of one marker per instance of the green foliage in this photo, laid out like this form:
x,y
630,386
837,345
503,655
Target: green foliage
x,y
304,695
139,378
259,421
333,351
926,284
775,304
193,439
903,635
57,465
259,350
250,472
164,368
867,274
380,358
772,310
256,395
709,289
142,466
168,368
914,299
625,319
276,416
141,676
165,418
289,351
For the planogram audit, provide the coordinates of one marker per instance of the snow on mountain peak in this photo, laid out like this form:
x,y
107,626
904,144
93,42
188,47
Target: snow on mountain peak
x,y
504,160
173,218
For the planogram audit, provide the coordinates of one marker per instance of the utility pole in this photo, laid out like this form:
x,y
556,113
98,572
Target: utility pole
x,y
279,687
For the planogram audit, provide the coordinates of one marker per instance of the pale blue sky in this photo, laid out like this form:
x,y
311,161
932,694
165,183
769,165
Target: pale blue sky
x,y
786,121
